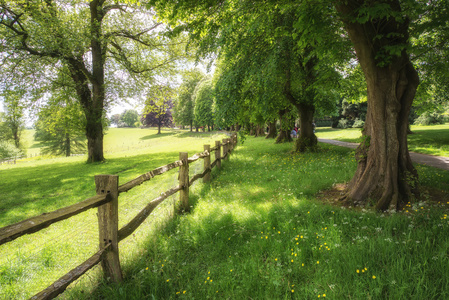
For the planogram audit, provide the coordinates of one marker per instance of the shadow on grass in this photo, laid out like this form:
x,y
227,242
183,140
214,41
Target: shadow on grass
x,y
156,136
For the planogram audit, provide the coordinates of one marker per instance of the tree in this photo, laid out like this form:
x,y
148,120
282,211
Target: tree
x,y
83,38
115,119
61,126
8,150
184,108
379,31
13,117
130,118
158,107
203,98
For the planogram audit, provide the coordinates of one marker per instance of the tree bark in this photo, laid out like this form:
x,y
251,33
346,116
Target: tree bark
x,y
286,126
67,145
272,132
307,139
385,172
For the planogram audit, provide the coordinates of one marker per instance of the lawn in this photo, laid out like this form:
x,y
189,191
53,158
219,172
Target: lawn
x,y
257,230
433,140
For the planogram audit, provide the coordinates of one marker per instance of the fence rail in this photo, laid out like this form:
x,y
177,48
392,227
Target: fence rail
x,y
108,190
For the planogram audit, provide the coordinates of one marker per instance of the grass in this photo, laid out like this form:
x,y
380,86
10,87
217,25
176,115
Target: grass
x,y
42,185
433,140
256,231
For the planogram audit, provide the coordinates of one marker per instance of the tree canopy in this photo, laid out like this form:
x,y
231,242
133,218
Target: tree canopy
x,y
102,46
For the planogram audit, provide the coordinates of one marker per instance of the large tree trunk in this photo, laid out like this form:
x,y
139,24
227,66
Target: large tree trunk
x,y
93,112
307,139
385,172
272,132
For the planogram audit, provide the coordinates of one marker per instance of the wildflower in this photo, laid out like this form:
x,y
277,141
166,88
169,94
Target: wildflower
x,y
318,262
293,291
358,271
374,277
183,292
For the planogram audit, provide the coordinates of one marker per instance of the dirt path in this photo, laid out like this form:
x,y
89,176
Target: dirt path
x,y
440,162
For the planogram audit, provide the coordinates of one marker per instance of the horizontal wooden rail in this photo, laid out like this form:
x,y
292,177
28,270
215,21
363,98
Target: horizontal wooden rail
x,y
197,156
11,232
198,176
129,228
147,176
61,284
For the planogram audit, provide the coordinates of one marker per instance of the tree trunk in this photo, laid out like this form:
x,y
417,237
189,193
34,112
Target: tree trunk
x,y
67,145
385,172
286,127
305,105
191,126
272,132
307,139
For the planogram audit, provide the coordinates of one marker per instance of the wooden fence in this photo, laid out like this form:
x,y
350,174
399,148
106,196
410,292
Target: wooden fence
x,y
106,199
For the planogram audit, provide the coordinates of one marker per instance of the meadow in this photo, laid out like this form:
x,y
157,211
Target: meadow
x,y
261,229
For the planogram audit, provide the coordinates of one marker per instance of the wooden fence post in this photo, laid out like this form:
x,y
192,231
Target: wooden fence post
x,y
108,226
206,177
218,153
228,145
184,181
225,147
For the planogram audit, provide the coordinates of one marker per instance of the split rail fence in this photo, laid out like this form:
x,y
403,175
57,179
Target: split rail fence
x,y
106,199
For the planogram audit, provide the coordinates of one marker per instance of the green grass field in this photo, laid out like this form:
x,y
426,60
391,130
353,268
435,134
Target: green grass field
x,y
257,230
433,140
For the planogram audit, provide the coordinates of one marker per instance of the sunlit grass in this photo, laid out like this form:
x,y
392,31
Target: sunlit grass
x,y
31,263
257,231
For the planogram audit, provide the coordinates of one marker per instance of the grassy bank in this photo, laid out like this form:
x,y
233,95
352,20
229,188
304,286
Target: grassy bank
x,y
433,140
257,231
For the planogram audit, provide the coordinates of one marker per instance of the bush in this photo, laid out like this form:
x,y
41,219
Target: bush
x,y
358,123
429,118
343,123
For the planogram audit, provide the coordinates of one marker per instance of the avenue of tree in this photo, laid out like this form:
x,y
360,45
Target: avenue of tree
x,y
276,62
287,46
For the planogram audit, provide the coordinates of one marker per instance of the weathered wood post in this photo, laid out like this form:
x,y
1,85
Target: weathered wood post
x,y
218,153
108,226
228,148
184,181
225,146
206,177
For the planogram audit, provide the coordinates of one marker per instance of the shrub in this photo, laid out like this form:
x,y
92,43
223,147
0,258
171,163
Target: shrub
x,y
358,123
343,123
429,118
